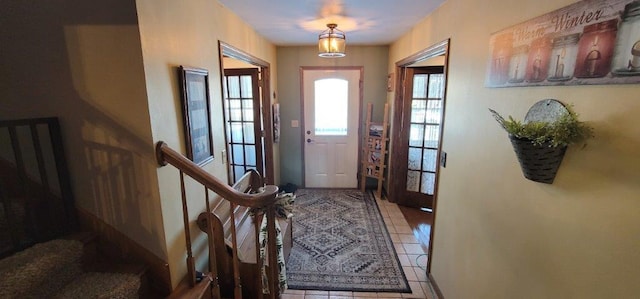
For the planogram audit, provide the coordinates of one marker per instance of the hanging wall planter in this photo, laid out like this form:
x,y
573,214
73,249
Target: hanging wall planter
x,y
541,141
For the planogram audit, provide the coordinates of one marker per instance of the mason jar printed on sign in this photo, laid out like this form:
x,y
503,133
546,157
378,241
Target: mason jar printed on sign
x,y
626,61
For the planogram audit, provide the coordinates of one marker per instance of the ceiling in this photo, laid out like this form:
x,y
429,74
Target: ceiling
x,y
365,22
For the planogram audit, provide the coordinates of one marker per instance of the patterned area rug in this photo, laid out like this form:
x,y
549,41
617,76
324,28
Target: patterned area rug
x,y
340,243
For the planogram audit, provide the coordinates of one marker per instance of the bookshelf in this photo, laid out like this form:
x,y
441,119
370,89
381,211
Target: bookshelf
x,y
374,149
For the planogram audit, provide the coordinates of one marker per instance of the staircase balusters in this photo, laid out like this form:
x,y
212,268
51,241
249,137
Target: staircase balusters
x,y
213,267
191,268
264,198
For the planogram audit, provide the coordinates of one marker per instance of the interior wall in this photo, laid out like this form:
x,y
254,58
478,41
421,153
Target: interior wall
x,y
498,235
175,33
82,62
290,59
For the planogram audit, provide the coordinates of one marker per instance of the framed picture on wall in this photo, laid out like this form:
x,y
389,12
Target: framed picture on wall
x,y
194,86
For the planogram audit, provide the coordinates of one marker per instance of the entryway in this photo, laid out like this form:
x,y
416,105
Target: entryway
x,y
331,104
419,107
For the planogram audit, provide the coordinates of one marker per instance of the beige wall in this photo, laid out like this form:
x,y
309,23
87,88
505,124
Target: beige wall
x,y
498,235
177,33
290,59
82,62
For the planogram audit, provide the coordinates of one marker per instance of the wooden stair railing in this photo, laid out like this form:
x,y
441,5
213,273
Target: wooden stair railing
x,y
264,199
34,181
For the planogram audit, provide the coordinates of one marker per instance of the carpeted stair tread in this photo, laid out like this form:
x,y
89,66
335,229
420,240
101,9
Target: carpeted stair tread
x,y
56,267
40,270
101,285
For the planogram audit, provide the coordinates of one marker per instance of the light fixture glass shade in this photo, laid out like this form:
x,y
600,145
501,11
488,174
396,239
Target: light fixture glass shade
x,y
331,42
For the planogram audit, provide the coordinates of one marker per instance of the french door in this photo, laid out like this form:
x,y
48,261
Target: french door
x,y
243,122
417,149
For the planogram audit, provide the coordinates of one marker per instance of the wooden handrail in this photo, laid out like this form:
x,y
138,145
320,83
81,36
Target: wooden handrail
x,y
164,155
256,197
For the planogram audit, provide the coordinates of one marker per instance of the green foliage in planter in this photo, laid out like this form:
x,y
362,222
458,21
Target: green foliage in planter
x,y
567,129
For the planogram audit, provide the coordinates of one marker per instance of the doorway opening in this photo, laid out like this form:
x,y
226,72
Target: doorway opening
x,y
247,113
418,120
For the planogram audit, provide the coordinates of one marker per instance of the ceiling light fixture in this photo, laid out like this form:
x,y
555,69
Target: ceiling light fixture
x,y
331,42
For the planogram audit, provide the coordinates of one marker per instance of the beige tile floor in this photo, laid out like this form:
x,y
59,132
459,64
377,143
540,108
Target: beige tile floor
x,y
411,255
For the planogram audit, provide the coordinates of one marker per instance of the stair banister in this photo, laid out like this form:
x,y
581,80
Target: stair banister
x,y
165,155
264,198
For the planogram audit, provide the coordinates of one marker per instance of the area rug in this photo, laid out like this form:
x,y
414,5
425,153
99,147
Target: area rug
x,y
340,243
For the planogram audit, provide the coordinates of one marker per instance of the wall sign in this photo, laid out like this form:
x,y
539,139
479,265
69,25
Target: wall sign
x,y
588,42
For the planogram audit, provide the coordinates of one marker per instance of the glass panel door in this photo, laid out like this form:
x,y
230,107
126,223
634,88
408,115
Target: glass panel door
x,y
241,109
424,132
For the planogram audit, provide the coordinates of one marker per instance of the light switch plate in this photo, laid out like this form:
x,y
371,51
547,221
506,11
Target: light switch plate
x,y
295,123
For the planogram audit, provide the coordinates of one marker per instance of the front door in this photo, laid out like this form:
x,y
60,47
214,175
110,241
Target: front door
x,y
243,122
331,117
418,144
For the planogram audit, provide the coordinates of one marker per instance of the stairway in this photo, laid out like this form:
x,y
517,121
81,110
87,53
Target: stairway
x,y
68,268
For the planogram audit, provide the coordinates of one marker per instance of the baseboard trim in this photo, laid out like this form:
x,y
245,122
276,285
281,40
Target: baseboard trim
x,y
128,250
435,286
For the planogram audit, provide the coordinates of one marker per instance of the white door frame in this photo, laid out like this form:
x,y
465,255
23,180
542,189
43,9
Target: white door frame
x,y
302,112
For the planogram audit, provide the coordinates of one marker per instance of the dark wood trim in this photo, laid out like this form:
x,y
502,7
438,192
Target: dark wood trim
x,y
360,103
236,53
114,242
226,50
436,288
441,48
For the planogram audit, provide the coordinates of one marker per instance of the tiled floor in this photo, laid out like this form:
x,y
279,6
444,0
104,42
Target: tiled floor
x,y
411,254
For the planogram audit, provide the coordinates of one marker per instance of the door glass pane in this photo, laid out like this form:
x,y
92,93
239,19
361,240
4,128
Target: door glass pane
x,y
250,155
234,110
428,182
415,158
248,133
434,110
247,109
236,132
238,154
238,171
224,88
420,86
429,160
245,87
331,106
431,136
436,86
418,110
416,134
234,87
413,180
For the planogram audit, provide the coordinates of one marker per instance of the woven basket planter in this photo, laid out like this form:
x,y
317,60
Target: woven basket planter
x,y
539,163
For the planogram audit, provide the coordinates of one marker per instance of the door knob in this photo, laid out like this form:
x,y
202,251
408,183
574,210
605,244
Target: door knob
x,y
309,140
308,132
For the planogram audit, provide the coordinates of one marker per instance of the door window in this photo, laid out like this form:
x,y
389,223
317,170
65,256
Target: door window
x,y
426,111
243,145
331,107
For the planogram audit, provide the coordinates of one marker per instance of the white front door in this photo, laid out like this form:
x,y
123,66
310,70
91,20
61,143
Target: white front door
x,y
331,116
